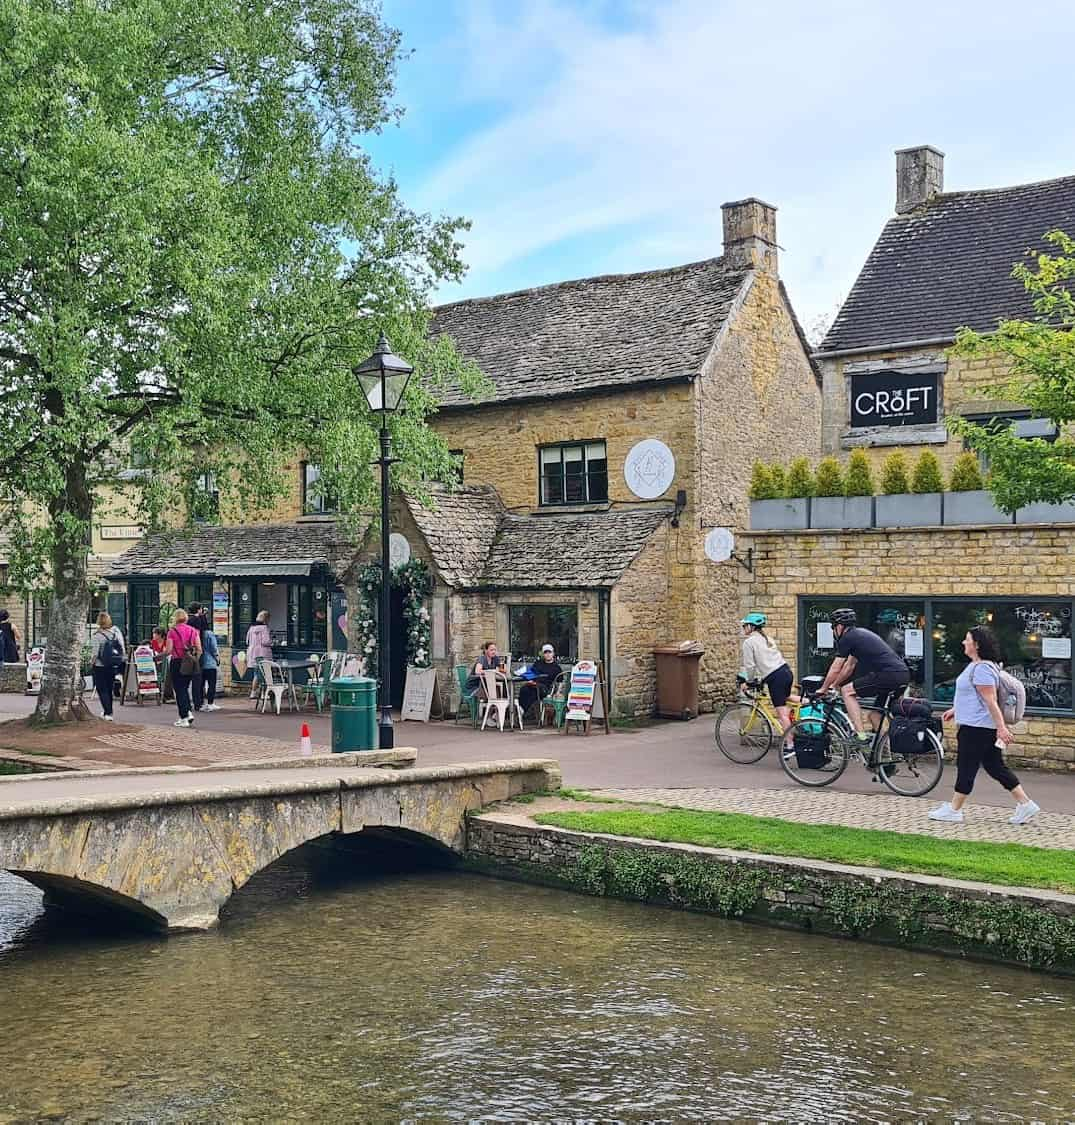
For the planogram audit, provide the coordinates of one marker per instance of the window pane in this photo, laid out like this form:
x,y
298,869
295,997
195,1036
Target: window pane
x,y
819,646
574,480
145,611
319,620
892,621
595,451
242,598
552,484
572,453
531,626
550,456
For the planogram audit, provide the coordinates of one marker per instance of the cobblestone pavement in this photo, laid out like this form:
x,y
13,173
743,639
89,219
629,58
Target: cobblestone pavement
x,y
856,810
195,745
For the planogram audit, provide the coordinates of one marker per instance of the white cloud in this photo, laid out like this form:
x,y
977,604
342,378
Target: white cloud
x,y
640,127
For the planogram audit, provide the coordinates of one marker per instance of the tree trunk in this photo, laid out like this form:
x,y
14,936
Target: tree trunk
x,y
61,678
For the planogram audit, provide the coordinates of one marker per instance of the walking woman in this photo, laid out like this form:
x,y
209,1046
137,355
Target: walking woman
x,y
762,661
258,647
982,730
108,661
184,650
9,639
210,664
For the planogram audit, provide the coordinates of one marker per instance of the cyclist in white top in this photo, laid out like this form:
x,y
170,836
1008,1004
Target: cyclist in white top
x,y
763,662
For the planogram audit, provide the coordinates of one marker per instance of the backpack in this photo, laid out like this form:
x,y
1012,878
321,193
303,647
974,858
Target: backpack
x,y
1011,694
111,654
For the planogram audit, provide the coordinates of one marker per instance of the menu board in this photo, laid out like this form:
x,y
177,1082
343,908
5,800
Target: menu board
x,y
35,667
580,694
221,612
418,693
145,670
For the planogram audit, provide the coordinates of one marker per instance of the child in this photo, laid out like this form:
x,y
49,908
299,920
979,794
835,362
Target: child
x,y
158,640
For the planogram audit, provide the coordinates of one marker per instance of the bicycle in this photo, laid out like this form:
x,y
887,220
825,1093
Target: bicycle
x,y
822,748
746,728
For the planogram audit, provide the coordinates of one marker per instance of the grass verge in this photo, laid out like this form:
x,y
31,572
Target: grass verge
x,y
1012,865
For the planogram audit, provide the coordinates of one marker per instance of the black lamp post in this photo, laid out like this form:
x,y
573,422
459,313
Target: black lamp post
x,y
384,379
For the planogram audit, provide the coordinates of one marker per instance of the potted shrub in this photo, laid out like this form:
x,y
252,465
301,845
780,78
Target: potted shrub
x,y
967,500
899,506
85,666
770,507
833,507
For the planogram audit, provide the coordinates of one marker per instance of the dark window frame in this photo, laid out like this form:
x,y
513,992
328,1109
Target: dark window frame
x,y
189,586
563,657
295,631
136,610
563,502
928,601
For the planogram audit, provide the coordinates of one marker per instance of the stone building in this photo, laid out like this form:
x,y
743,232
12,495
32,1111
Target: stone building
x,y
943,261
625,416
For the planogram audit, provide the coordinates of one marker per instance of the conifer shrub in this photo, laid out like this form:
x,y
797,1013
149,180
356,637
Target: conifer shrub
x,y
894,476
829,478
859,479
780,481
800,480
966,474
927,473
761,482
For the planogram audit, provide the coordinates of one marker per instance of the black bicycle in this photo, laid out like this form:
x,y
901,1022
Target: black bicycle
x,y
821,748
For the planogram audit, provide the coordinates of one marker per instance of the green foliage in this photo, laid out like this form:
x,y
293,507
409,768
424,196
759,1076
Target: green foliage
x,y
761,482
1040,355
780,481
966,474
859,479
829,478
894,481
800,482
927,473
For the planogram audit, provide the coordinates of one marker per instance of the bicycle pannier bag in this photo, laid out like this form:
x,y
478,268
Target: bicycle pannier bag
x,y
812,751
1011,694
909,736
810,711
909,708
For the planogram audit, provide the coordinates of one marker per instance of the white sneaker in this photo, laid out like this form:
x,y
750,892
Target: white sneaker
x,y
108,718
1024,811
205,707
946,812
211,707
182,722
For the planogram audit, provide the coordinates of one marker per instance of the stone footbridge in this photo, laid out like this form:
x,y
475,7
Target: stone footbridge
x,y
170,847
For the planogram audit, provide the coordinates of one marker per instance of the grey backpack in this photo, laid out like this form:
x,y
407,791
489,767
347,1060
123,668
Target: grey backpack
x,y
1011,694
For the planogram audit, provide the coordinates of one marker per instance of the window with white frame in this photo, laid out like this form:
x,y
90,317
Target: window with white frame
x,y
575,473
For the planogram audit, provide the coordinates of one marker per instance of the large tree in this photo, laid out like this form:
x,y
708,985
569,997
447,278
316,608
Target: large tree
x,y
1040,356
194,250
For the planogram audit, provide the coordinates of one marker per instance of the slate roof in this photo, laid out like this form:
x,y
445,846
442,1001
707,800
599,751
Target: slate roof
x,y
576,337
948,264
201,550
461,530
569,551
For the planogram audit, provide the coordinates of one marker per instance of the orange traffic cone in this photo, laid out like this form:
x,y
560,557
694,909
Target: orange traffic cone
x,y
305,749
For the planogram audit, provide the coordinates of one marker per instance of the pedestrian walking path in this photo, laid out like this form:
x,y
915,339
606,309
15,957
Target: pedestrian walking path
x,y
856,810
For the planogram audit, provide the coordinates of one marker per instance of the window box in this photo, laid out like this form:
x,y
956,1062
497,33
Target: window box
x,y
975,507
909,509
836,512
1046,513
779,515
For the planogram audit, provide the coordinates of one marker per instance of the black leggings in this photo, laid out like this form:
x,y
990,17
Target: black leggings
x,y
181,687
977,749
209,680
103,679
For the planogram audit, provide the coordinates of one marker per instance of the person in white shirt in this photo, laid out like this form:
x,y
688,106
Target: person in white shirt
x,y
763,662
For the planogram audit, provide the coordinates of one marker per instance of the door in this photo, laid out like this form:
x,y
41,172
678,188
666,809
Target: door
x,y
398,644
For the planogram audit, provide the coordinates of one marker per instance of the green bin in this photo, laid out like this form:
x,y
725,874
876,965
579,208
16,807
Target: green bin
x,y
354,714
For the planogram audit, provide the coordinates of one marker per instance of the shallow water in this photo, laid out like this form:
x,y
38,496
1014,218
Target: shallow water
x,y
440,996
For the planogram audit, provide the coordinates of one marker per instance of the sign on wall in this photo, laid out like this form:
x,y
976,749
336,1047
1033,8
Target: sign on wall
x,y
221,612
889,398
719,544
122,531
399,550
649,469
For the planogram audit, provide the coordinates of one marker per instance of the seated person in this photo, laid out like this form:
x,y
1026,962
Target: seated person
x,y
488,661
544,673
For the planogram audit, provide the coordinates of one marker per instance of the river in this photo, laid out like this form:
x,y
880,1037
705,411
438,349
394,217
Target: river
x,y
434,995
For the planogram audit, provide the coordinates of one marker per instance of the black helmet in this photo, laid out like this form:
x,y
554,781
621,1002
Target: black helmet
x,y
843,617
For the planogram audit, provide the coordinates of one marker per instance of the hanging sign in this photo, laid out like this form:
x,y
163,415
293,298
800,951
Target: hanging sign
x,y
890,398
221,612
649,469
35,668
418,694
719,544
399,550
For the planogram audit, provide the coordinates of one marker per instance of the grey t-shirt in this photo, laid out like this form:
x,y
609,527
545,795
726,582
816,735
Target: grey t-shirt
x,y
98,639
970,708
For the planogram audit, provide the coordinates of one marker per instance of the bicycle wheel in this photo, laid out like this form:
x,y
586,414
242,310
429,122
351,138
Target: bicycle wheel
x,y
744,733
809,765
911,775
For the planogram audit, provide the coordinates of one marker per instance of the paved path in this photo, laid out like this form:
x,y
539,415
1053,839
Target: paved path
x,y
855,810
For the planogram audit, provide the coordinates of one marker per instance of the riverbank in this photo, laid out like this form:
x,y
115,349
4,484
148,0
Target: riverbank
x,y
1025,926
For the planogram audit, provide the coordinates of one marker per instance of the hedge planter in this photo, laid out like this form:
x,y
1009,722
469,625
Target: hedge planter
x,y
1046,513
976,507
908,509
779,515
835,512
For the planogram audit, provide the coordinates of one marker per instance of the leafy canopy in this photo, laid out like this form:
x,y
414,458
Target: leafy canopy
x,y
195,249
1040,354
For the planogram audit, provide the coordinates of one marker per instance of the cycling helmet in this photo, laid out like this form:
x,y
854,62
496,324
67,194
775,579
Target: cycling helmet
x,y
843,617
758,620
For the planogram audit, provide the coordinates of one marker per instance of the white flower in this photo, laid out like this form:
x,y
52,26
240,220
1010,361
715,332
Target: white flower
x,y
423,613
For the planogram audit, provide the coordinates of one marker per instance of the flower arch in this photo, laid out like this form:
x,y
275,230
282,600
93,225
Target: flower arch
x,y
414,579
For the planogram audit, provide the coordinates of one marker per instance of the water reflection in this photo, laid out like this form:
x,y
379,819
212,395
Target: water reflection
x,y
433,995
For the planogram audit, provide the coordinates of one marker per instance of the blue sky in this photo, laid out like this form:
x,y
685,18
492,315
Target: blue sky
x,y
595,136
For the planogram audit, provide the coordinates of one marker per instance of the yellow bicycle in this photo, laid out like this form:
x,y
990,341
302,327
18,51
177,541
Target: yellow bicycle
x,y
747,728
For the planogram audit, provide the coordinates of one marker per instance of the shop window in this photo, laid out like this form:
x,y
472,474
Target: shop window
x,y
144,598
315,501
98,604
901,623
531,626
200,591
298,612
244,603
573,474
307,616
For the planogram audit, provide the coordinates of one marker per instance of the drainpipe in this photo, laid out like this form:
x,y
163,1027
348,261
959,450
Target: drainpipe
x,y
604,628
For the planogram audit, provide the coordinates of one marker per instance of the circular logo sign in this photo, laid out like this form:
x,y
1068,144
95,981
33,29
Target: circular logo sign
x,y
649,469
719,544
399,550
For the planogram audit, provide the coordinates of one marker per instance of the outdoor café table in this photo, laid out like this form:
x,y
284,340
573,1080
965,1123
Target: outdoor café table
x,y
289,668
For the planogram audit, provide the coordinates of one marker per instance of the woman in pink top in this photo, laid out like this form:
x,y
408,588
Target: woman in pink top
x,y
182,641
258,647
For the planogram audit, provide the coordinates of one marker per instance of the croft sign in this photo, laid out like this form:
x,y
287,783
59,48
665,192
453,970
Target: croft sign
x,y
890,399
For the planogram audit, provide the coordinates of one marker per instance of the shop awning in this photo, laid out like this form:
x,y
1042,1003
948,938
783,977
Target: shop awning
x,y
261,568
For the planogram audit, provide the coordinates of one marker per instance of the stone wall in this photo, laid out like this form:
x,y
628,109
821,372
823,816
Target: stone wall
x,y
933,562
1030,928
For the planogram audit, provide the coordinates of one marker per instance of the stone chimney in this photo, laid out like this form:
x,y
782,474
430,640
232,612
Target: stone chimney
x,y
750,235
919,176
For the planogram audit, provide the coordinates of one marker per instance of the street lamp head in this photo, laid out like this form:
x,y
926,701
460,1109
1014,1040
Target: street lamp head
x,y
383,378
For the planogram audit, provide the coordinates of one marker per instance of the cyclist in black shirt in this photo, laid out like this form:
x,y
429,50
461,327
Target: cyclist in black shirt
x,y
864,665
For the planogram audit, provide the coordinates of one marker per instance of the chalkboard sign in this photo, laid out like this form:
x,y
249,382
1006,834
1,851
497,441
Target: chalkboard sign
x,y
419,692
894,399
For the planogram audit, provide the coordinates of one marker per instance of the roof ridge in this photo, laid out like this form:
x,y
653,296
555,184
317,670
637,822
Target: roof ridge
x,y
1005,190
